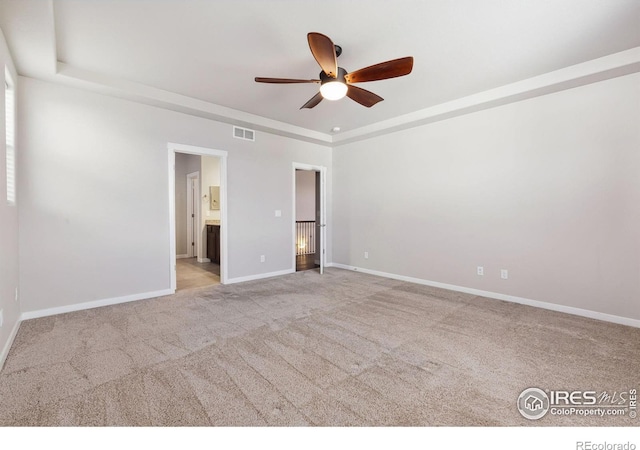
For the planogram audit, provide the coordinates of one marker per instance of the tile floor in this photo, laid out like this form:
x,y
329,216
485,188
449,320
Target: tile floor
x,y
192,274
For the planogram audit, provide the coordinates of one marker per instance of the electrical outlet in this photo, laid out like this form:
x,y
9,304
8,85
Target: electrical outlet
x,y
278,213
262,258
504,274
480,270
366,255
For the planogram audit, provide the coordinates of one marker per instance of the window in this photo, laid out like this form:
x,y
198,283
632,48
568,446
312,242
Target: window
x,y
10,124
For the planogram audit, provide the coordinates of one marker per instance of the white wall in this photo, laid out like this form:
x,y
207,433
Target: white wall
x,y
548,188
8,223
305,195
94,191
210,169
185,164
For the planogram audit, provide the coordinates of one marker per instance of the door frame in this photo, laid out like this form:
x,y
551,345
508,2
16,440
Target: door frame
x,y
193,208
174,148
322,229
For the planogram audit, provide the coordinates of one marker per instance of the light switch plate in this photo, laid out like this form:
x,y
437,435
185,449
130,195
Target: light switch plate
x,y
278,213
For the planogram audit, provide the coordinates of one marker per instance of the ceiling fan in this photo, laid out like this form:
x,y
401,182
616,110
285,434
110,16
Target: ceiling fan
x,y
335,82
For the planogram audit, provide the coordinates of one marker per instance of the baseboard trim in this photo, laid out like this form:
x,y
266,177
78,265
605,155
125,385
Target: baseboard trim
x,y
260,276
94,304
9,343
508,298
183,256
203,260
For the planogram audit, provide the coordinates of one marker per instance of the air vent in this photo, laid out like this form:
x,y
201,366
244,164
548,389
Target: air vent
x,y
244,133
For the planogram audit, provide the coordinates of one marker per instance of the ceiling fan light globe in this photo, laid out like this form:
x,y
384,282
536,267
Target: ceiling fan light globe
x,y
333,90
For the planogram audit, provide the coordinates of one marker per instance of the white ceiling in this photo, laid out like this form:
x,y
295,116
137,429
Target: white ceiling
x,y
212,50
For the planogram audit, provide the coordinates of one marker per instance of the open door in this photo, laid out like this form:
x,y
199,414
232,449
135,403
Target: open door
x,y
173,149
193,213
309,206
320,222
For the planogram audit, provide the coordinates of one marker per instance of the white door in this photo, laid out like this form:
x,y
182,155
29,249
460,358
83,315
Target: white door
x,y
193,197
321,226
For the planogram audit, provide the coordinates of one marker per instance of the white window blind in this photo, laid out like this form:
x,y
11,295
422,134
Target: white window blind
x,y
10,125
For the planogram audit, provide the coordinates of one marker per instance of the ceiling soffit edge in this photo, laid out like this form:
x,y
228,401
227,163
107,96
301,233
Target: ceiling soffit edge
x,y
600,69
611,66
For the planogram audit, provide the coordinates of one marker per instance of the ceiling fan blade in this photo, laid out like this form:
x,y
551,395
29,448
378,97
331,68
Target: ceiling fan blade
x,y
388,69
313,101
283,80
324,52
362,96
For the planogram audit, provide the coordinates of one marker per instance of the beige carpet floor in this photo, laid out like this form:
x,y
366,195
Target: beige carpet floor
x,y
303,349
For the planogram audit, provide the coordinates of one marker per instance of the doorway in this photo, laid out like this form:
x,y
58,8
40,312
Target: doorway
x,y
195,265
309,227
188,247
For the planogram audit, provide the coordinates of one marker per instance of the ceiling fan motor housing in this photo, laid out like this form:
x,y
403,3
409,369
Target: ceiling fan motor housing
x,y
324,78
